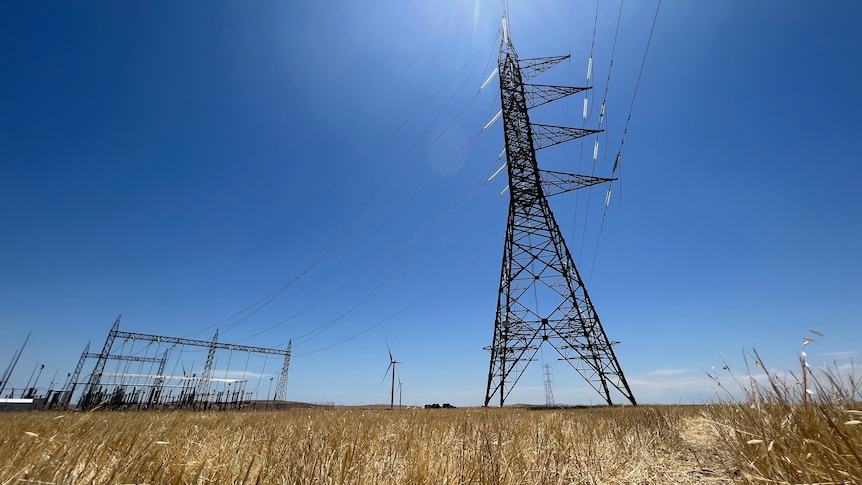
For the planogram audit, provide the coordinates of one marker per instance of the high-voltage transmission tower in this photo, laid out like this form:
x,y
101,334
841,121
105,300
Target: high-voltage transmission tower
x,y
549,387
542,296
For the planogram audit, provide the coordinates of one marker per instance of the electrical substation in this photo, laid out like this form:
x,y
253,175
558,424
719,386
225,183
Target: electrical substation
x,y
137,377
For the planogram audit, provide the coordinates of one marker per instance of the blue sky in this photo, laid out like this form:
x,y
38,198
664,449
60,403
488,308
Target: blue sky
x,y
178,162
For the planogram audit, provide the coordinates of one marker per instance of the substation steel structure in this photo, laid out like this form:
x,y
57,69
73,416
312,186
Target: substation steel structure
x,y
537,267
195,391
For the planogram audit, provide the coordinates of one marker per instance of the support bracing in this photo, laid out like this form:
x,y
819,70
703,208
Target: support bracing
x,y
281,388
73,379
91,392
542,297
159,382
207,374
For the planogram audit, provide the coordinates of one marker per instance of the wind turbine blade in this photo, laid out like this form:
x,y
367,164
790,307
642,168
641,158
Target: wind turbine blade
x,y
390,351
386,374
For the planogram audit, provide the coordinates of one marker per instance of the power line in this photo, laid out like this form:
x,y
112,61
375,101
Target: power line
x,y
406,307
344,238
616,167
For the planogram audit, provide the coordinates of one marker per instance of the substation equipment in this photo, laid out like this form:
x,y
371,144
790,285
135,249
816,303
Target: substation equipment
x,y
125,390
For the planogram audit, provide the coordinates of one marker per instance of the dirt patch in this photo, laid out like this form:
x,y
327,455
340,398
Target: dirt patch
x,y
699,442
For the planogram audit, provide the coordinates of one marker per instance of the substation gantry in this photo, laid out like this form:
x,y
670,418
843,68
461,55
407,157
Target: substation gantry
x,y
195,389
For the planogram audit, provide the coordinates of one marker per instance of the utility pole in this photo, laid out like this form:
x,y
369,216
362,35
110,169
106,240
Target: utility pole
x,y
267,393
542,298
27,388
41,368
4,380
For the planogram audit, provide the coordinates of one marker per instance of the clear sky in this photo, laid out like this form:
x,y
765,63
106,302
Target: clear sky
x,y
180,163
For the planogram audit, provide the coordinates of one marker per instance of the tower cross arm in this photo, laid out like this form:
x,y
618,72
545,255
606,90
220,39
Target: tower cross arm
x,y
199,343
555,183
128,358
539,94
531,68
545,136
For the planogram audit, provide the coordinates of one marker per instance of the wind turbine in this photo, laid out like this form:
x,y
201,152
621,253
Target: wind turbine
x,y
392,364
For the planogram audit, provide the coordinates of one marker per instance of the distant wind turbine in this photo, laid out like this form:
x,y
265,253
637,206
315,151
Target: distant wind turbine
x,y
392,364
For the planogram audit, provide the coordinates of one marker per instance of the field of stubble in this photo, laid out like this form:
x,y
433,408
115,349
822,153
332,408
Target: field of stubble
x,y
662,444
783,432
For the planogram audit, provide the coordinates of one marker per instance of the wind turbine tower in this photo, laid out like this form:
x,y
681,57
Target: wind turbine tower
x,y
392,364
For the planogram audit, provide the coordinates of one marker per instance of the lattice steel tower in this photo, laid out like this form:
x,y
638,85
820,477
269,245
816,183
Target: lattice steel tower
x,y
542,297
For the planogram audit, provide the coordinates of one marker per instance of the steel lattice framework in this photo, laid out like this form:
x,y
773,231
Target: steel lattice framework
x,y
542,297
281,388
91,396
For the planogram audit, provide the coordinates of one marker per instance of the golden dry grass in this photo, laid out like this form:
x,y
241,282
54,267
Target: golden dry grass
x,y
662,444
802,427
782,429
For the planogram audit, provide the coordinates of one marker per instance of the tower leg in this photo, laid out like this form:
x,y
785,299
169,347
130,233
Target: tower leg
x,y
203,388
91,392
281,387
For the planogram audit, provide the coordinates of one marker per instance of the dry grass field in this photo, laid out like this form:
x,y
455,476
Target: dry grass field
x,y
801,430
422,446
645,444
